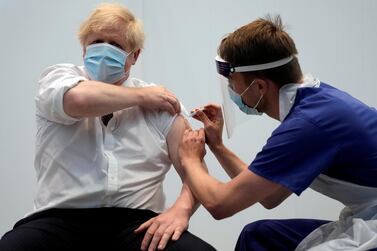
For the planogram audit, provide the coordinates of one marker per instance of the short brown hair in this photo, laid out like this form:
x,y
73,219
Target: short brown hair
x,y
262,41
112,15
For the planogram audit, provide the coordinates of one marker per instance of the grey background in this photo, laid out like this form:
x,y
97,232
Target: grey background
x,y
336,42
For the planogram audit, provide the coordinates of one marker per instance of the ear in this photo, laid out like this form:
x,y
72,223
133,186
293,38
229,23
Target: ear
x,y
135,56
262,84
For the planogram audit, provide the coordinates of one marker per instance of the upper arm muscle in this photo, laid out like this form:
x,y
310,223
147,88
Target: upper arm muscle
x,y
276,198
173,139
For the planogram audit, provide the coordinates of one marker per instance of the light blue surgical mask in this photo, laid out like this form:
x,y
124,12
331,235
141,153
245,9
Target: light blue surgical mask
x,y
237,99
105,62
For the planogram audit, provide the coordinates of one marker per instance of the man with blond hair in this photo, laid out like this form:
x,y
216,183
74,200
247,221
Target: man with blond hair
x,y
104,144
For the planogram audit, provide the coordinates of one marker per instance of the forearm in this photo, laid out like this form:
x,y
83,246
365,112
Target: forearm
x,y
91,99
186,201
206,189
228,160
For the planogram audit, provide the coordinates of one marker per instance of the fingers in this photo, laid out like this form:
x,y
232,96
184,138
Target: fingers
x,y
144,226
158,97
169,105
201,116
177,233
185,137
158,236
165,238
161,238
174,103
148,236
201,134
213,111
170,102
208,113
177,106
212,106
190,134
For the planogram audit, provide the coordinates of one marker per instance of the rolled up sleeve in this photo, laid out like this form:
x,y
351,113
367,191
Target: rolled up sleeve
x,y
54,83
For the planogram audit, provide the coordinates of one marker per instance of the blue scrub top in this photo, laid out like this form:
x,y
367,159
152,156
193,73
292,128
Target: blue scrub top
x,y
327,131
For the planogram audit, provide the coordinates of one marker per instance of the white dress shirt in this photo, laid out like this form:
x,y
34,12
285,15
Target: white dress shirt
x,y
81,163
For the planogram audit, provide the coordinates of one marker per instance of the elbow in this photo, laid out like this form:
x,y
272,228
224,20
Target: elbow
x,y
218,211
270,205
74,103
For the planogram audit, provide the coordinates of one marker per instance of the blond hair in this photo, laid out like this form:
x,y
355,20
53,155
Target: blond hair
x,y
114,16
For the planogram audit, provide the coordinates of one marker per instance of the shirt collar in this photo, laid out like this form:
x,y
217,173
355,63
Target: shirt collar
x,y
287,94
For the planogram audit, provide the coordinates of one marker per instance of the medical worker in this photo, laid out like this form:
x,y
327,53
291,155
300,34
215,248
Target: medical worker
x,y
104,144
327,140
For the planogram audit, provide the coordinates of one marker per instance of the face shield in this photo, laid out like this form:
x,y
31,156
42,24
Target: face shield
x,y
224,69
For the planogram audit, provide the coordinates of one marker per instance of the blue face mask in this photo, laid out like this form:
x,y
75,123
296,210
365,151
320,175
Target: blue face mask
x,y
104,62
237,99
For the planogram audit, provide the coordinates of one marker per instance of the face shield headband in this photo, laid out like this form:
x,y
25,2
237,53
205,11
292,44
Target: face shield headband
x,y
224,68
231,118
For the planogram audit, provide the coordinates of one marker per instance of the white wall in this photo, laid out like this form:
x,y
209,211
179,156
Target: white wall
x,y
336,42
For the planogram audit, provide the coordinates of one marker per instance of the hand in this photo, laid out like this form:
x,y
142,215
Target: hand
x,y
192,146
158,97
160,229
213,121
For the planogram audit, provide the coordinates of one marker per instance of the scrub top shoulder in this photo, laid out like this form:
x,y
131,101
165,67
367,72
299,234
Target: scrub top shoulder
x,y
327,131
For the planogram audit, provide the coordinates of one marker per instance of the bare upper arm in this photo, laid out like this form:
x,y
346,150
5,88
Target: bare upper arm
x,y
276,198
173,139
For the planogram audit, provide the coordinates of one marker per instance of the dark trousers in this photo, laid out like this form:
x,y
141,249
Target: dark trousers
x,y
88,229
282,235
